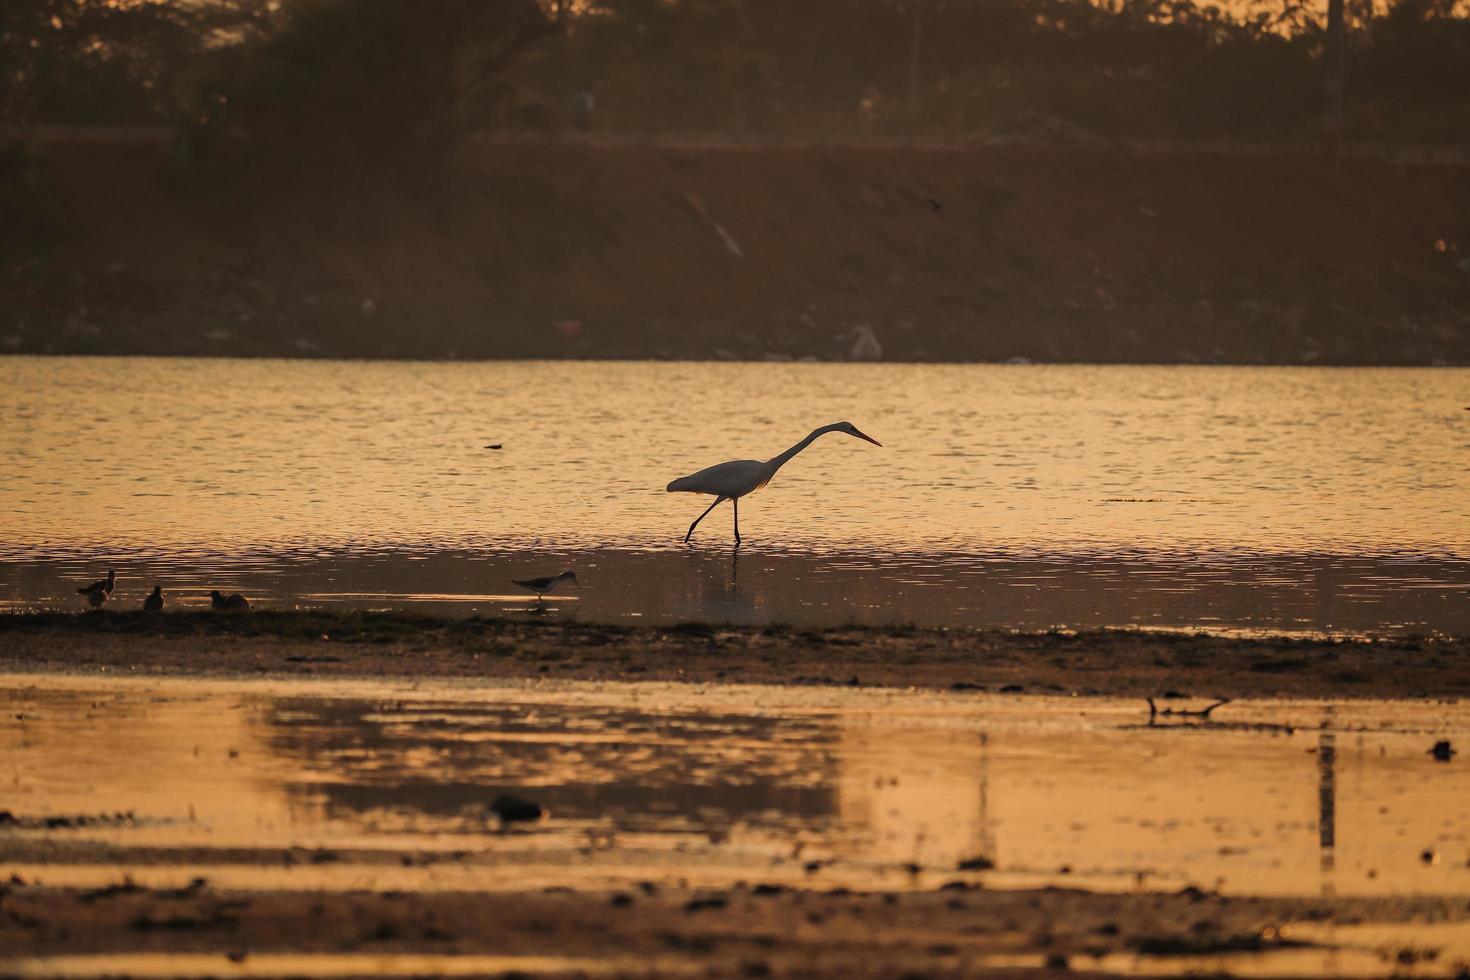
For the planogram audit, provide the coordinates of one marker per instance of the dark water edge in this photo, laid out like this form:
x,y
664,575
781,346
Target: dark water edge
x,y
1220,592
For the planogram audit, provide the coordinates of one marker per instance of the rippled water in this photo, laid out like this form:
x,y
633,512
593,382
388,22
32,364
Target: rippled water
x,y
1256,498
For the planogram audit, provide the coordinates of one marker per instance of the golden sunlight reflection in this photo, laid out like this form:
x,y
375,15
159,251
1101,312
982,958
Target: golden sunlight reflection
x,y
1028,497
230,457
251,786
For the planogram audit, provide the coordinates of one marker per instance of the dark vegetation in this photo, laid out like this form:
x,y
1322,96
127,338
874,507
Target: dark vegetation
x,y
368,178
385,79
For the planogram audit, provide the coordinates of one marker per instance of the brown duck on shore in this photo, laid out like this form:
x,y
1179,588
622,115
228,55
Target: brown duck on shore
x,y
234,602
103,587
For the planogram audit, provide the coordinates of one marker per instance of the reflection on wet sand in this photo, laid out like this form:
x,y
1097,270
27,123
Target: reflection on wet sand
x,y
199,806
1271,798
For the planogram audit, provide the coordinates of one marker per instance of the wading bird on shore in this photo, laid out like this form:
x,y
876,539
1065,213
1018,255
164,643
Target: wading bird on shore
x,y
102,587
234,602
154,602
541,586
733,480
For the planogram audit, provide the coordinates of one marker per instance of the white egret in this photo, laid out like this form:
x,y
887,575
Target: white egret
x,y
733,480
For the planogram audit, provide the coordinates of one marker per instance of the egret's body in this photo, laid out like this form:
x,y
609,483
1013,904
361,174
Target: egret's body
x,y
739,477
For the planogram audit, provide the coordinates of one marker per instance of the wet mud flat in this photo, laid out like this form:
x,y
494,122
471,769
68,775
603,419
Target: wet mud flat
x,y
750,931
343,826
1138,663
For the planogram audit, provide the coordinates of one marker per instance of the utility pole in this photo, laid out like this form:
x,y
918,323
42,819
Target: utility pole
x,y
1335,58
915,46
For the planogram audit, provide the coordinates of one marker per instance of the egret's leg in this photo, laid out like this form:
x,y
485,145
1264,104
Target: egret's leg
x,y
736,502
718,501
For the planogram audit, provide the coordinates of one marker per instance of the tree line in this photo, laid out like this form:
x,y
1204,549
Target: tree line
x,y
386,80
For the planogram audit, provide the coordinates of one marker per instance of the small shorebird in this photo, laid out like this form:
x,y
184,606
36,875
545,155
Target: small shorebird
x,y
541,586
234,602
101,587
154,602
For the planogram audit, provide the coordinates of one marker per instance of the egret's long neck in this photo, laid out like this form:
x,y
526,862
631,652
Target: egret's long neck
x,y
776,462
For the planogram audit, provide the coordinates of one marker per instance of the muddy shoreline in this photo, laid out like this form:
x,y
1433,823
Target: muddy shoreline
x,y
750,930
1119,663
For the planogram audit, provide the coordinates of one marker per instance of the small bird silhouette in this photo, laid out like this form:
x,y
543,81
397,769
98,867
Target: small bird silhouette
x,y
154,602
102,586
234,602
541,586
493,445
1443,750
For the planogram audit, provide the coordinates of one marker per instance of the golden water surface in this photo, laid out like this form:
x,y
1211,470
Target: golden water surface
x,y
1029,495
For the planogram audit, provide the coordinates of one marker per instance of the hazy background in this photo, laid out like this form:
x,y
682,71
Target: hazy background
x,y
964,179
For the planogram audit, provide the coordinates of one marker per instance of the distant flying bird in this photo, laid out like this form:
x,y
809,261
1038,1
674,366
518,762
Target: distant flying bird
x,y
102,587
541,586
234,602
733,480
154,602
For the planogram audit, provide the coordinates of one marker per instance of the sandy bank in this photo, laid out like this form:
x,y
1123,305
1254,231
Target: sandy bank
x,y
1114,663
581,250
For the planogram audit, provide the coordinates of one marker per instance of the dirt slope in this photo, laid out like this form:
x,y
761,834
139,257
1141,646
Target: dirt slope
x,y
1083,254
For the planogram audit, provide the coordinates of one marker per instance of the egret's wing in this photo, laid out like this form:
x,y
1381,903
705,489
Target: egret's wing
x,y
732,479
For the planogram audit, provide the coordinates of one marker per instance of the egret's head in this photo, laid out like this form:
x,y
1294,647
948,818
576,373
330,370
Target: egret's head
x,y
853,430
